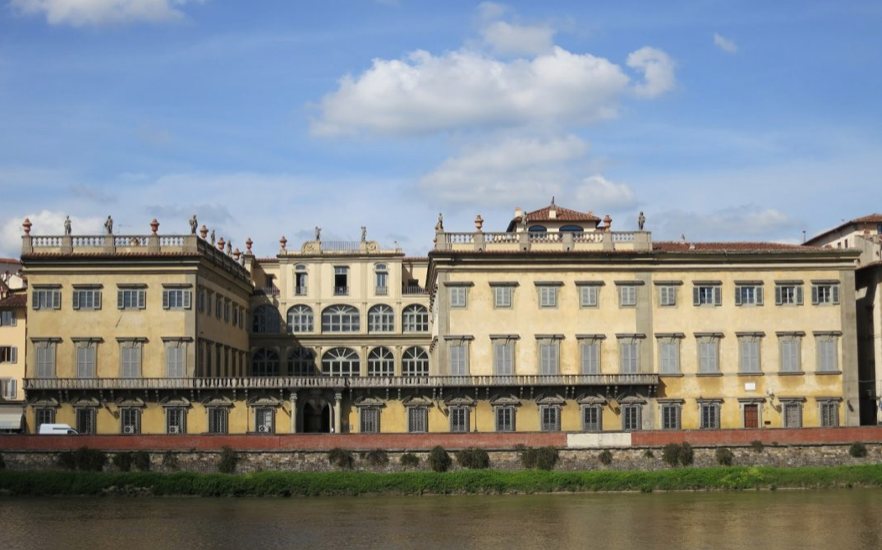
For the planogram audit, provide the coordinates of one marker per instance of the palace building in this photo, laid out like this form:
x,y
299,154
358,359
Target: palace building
x,y
558,323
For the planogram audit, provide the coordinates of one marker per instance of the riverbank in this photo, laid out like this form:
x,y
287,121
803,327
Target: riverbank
x,y
430,483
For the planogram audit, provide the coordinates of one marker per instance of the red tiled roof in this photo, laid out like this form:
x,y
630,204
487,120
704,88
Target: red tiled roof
x,y
679,246
15,300
563,214
9,261
872,218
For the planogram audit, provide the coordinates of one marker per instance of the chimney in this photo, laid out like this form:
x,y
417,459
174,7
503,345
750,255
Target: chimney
x,y
518,212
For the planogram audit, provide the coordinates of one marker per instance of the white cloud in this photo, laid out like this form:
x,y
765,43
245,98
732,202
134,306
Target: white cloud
x,y
748,221
491,10
81,13
658,71
46,222
507,38
725,44
604,195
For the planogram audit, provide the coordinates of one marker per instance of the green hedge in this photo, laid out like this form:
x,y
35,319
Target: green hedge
x,y
417,483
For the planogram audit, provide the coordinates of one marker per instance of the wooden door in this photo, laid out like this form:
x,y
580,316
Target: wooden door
x,y
751,416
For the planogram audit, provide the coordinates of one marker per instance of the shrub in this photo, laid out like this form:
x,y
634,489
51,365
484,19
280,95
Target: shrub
x,y
228,460
2,463
170,461
686,454
671,454
725,457
473,459
439,460
757,446
409,460
858,450
605,457
648,453
377,458
66,460
541,458
141,460
89,460
341,458
123,461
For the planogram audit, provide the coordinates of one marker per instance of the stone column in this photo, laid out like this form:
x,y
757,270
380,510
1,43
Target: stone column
x,y
338,409
293,411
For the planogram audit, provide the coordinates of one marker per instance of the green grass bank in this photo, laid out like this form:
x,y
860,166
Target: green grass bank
x,y
431,483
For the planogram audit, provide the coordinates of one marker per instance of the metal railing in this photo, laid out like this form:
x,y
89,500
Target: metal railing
x,y
300,291
413,290
381,291
341,291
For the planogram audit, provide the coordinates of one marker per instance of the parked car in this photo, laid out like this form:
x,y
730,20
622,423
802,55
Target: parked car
x,y
56,429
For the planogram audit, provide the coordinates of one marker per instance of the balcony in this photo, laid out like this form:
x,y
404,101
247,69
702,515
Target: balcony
x,y
268,290
413,291
381,291
297,382
341,291
637,241
300,291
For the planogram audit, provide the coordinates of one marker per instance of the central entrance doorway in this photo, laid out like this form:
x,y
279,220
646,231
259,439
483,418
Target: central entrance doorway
x,y
751,415
317,417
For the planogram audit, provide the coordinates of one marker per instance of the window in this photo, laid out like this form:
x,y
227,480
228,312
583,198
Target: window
x,y
227,311
417,419
588,295
235,316
265,362
266,319
707,295
748,295
670,416
46,298
341,362
627,295
87,298
130,359
708,356
370,420
382,280
300,280
131,298
505,418
538,229
208,302
8,388
86,420
416,319
549,418
381,362
301,362
175,359
175,420
340,319
829,414
788,295
571,229
200,300
630,355
458,296
415,362
265,420
828,355
549,357
130,421
503,357
502,297
590,356
43,415
86,360
219,307
217,420
8,354
826,294
790,354
242,317
667,295
547,296
709,416
669,356
341,281
458,354
176,298
632,417
459,419
45,359
592,418
300,319
792,412
749,355
381,318
7,318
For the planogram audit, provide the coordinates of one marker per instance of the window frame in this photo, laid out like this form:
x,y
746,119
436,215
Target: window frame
x,y
415,319
503,296
130,420
549,418
381,319
630,424
381,362
588,425
341,318
171,422
93,301
671,416
417,419
263,414
709,415
505,418
628,296
131,298
791,405
342,356
825,407
415,362
366,424
459,297
460,418
589,296
218,415
90,426
667,295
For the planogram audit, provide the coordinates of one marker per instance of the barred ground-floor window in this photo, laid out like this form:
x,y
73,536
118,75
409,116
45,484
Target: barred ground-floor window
x,y
217,420
549,418
592,418
709,416
130,421
370,420
43,415
265,420
670,416
86,420
829,414
176,420
505,418
459,419
632,417
792,413
417,420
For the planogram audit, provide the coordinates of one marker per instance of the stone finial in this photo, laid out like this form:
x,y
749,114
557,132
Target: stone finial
x,y
248,244
479,223
154,226
220,244
607,222
284,242
26,225
203,231
236,254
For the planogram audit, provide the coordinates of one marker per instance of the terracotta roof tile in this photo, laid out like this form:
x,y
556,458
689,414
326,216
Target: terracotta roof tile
x,y
563,215
872,218
678,246
9,261
15,300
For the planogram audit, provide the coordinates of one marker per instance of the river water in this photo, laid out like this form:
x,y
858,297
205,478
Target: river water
x,y
843,519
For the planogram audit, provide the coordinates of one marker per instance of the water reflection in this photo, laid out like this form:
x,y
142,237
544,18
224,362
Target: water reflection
x,y
804,520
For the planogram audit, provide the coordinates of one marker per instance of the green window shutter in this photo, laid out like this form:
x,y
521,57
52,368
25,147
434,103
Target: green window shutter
x,y
120,301
718,296
56,299
799,295
778,299
695,297
188,297
164,299
814,295
14,355
142,299
98,294
737,295
759,295
76,299
835,289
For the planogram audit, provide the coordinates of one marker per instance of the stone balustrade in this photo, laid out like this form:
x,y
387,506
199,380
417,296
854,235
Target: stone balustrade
x,y
637,241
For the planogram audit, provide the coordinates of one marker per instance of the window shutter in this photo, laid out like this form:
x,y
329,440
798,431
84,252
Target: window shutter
x,y
718,296
56,299
835,289
142,299
76,299
188,298
759,295
737,295
778,299
799,295
164,299
119,299
14,357
695,298
814,295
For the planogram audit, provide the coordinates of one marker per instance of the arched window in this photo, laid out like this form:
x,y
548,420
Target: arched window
x,y
415,362
572,229
381,318
265,362
301,362
300,319
340,362
266,319
300,280
381,362
538,228
340,319
415,319
382,276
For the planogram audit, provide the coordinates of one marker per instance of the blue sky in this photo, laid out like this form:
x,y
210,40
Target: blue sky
x,y
721,120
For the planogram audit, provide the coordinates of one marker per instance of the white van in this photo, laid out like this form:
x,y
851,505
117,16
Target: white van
x,y
56,429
